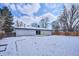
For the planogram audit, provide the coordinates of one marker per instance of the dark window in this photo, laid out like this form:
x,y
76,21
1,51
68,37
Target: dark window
x,y
38,32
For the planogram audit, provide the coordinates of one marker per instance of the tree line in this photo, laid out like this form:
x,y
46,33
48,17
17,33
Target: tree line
x,y
67,21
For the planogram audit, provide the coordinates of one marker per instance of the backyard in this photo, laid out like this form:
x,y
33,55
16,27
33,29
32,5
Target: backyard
x,y
40,45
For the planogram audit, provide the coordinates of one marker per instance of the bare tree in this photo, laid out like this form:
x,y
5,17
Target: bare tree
x,y
17,23
69,19
55,26
34,25
44,22
21,24
24,25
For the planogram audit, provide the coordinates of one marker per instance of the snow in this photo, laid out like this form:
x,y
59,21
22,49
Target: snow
x,y
41,45
33,28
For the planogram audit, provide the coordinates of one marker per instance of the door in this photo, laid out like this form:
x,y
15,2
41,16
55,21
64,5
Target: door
x,y
38,32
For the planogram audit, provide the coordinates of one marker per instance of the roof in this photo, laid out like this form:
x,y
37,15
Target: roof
x,y
32,28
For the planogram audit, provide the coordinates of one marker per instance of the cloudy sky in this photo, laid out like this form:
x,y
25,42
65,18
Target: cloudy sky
x,y
29,12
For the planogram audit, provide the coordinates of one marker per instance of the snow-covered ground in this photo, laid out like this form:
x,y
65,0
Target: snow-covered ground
x,y
40,45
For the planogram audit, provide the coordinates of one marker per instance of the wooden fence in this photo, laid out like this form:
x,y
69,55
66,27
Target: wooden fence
x,y
66,33
3,34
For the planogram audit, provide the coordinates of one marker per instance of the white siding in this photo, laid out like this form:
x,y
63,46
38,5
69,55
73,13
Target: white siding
x,y
46,32
21,32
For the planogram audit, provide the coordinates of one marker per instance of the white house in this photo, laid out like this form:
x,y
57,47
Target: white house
x,y
32,31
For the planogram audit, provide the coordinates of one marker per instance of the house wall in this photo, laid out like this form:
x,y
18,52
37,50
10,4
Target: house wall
x,y
21,32
46,32
27,32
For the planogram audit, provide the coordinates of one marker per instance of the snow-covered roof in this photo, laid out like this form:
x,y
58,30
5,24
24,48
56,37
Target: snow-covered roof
x,y
32,28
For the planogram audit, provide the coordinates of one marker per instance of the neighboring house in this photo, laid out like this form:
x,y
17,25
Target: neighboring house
x,y
32,31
